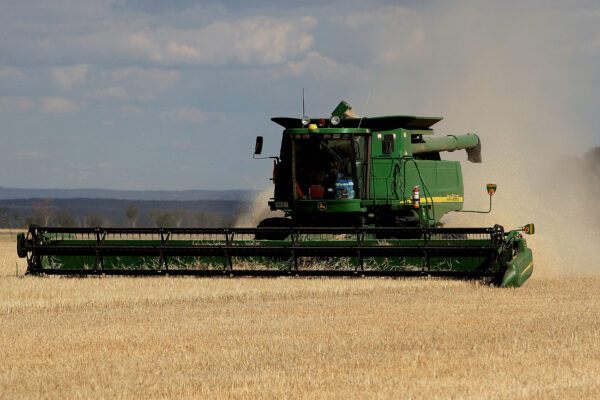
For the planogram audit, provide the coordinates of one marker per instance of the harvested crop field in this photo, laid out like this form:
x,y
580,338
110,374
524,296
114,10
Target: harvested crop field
x,y
295,338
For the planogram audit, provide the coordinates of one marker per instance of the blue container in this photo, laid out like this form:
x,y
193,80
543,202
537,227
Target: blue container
x,y
344,189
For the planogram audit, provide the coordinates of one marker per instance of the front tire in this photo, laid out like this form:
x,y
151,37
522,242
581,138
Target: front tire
x,y
276,222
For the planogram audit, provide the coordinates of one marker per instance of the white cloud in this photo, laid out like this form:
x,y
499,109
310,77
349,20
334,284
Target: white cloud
x,y
319,67
66,78
58,105
246,41
183,52
184,114
144,83
113,92
10,74
412,49
262,41
386,35
14,104
141,44
385,15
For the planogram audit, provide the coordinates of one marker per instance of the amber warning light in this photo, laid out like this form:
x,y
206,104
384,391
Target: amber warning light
x,y
528,229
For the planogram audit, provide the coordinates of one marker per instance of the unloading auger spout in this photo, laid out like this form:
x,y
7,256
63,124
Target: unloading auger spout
x,y
470,142
360,197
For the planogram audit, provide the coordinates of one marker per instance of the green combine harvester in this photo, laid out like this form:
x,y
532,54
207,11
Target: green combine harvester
x,y
361,197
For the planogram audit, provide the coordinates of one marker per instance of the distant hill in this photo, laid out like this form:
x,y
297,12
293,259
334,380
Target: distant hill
x,y
137,195
13,212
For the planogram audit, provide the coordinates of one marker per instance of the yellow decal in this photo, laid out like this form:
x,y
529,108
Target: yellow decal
x,y
451,198
529,266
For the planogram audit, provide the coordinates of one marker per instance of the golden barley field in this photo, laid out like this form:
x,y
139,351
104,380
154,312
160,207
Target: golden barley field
x,y
295,338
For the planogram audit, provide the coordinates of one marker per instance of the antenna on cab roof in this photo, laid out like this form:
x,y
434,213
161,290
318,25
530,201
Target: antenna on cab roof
x,y
303,111
305,119
364,110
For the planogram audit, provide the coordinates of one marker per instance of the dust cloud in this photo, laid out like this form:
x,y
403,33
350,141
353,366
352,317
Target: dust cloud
x,y
501,74
555,197
258,210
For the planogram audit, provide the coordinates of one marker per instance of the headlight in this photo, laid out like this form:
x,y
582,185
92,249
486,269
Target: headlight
x,y
334,120
305,121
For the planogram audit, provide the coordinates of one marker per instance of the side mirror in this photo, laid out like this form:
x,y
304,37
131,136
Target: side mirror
x,y
258,145
388,144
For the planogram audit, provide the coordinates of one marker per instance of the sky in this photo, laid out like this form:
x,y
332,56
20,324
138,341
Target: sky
x,y
132,94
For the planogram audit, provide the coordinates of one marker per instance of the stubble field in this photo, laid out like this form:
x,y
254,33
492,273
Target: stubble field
x,y
295,338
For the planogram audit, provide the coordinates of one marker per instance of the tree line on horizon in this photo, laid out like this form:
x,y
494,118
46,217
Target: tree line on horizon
x,y
45,213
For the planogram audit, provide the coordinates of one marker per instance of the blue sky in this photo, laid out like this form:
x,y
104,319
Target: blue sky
x,y
170,95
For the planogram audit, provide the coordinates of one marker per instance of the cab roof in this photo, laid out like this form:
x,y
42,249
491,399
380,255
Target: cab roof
x,y
385,123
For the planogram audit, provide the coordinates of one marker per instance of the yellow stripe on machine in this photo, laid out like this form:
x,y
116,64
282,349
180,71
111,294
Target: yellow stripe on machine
x,y
445,199
529,266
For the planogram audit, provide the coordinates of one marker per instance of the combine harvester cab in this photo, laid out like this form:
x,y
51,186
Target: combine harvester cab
x,y
361,197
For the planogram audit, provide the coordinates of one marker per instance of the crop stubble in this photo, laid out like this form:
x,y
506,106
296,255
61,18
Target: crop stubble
x,y
294,338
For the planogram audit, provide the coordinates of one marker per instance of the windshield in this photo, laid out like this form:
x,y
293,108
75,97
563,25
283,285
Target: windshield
x,y
323,169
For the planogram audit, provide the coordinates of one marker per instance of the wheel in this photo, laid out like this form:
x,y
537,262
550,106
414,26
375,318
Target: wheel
x,y
273,223
399,221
